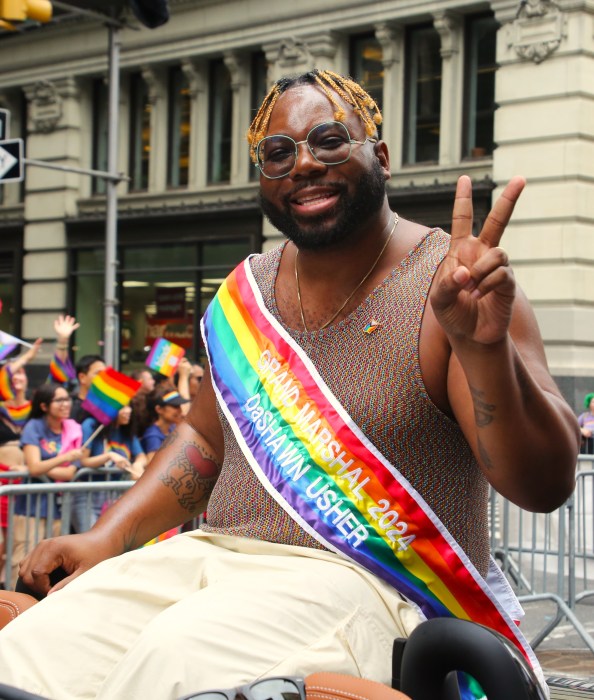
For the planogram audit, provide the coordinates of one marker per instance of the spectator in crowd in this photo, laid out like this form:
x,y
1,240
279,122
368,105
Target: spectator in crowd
x,y
195,378
181,382
586,421
51,443
140,411
165,405
87,368
15,406
115,445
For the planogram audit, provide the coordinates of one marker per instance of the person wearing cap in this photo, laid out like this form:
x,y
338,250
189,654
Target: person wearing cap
x,y
586,421
164,405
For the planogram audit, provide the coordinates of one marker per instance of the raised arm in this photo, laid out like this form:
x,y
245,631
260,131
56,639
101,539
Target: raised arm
x,y
175,486
523,434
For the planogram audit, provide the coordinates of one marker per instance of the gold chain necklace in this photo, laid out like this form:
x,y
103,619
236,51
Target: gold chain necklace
x,y
352,294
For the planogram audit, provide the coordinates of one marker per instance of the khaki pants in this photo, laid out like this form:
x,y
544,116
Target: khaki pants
x,y
202,611
25,536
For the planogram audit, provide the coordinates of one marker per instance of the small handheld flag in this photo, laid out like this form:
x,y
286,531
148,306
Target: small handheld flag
x,y
8,343
109,392
164,357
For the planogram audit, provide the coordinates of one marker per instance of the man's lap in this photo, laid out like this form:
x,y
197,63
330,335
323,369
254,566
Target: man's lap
x,y
199,611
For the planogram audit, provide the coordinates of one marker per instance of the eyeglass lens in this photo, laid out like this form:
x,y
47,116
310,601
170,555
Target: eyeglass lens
x,y
329,143
207,695
265,689
275,689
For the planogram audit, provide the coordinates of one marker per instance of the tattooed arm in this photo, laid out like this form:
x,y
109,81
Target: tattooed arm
x,y
175,487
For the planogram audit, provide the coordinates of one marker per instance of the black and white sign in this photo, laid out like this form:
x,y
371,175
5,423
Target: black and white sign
x,y
4,124
11,160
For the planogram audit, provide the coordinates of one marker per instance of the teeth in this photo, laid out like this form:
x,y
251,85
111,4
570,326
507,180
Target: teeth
x,y
312,198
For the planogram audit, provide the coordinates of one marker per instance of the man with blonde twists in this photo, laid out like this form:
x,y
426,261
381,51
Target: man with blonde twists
x,y
323,492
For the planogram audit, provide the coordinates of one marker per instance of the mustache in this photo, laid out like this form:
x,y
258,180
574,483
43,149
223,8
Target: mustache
x,y
305,184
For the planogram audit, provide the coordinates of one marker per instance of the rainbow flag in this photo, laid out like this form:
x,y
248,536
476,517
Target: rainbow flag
x,y
61,372
8,343
6,390
109,392
164,357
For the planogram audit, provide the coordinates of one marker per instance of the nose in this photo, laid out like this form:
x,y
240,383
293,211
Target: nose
x,y
305,163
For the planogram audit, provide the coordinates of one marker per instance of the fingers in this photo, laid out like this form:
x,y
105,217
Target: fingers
x,y
490,271
501,212
462,212
498,218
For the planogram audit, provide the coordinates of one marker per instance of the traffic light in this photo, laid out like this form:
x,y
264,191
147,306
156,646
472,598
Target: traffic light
x,y
21,10
152,13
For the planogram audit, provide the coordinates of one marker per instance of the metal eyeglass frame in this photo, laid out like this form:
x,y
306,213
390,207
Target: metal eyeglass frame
x,y
351,141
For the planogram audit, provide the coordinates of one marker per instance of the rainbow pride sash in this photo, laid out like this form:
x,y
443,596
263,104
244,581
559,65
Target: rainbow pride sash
x,y
325,473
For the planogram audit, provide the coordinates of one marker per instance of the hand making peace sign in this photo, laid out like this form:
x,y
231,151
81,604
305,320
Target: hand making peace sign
x,y
474,289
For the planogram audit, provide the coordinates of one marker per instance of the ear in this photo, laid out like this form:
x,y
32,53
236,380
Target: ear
x,y
383,155
44,407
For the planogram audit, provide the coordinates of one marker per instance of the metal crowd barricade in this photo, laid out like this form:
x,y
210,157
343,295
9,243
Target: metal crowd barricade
x,y
550,556
62,493
56,493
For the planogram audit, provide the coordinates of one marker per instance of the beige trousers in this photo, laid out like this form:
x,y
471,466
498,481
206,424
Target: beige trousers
x,y
203,611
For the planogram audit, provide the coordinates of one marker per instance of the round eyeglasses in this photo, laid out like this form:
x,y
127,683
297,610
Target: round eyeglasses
x,y
329,143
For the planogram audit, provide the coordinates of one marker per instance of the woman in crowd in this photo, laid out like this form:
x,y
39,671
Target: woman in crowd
x,y
117,445
165,405
51,443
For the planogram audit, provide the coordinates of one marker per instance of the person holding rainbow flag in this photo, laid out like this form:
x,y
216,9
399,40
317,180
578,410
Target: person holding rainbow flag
x,y
15,406
336,520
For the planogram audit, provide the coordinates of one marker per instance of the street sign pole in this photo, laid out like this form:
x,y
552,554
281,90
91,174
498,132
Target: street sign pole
x,y
110,332
4,124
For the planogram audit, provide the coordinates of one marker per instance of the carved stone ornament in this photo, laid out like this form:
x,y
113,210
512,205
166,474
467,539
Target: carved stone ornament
x,y
538,29
45,107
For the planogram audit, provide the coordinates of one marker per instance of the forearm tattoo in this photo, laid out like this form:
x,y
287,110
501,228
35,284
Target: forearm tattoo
x,y
191,474
483,411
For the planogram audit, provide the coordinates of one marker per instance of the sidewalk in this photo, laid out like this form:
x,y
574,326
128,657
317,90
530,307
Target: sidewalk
x,y
575,663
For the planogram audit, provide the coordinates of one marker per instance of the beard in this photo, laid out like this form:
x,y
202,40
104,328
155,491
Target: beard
x,y
351,212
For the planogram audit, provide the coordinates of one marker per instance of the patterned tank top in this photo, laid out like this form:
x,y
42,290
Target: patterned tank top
x,y
377,378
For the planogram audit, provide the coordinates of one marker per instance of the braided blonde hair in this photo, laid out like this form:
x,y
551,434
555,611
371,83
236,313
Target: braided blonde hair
x,y
333,85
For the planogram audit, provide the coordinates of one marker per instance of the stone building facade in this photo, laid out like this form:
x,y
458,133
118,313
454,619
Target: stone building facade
x,y
489,88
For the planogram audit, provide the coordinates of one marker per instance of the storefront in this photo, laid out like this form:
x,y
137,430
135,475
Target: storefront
x,y
169,268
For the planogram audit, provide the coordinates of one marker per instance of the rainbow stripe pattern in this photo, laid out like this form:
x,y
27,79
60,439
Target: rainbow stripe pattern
x,y
110,391
6,390
120,447
325,473
164,357
61,371
17,415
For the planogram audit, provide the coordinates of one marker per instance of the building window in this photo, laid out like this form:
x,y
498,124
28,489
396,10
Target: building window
x,y
100,132
140,133
366,67
259,85
219,160
11,261
180,106
164,290
423,95
479,98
